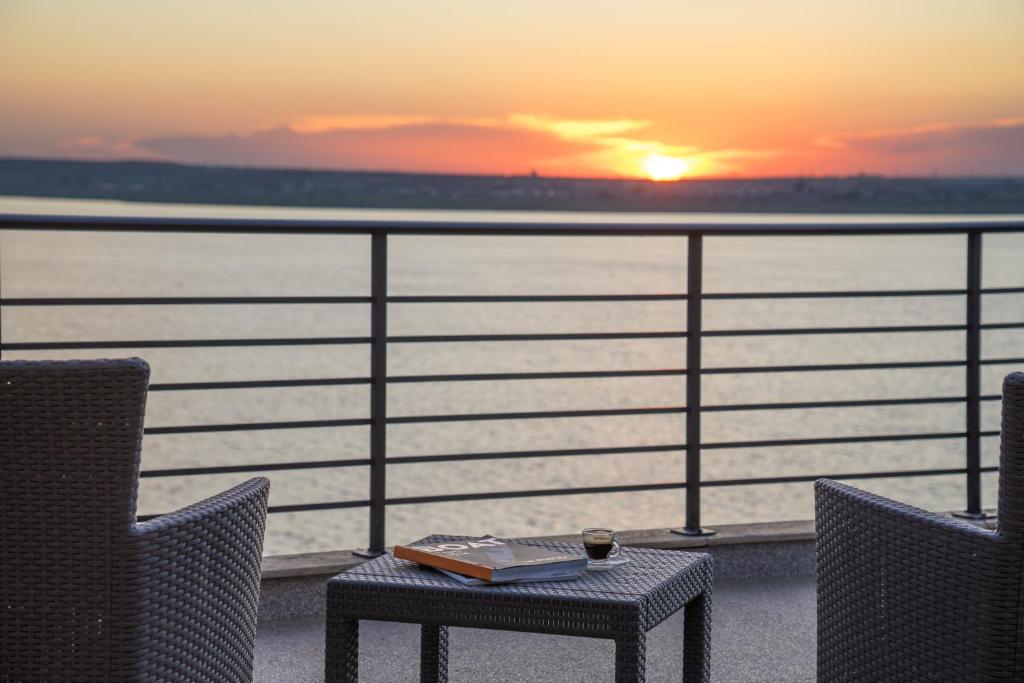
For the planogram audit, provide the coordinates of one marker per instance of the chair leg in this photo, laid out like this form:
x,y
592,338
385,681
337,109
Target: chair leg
x,y
342,651
697,640
433,654
631,657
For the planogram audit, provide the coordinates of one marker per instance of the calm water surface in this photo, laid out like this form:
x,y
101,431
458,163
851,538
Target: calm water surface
x,y
96,264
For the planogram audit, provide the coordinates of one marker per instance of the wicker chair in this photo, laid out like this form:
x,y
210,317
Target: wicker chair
x,y
909,595
86,592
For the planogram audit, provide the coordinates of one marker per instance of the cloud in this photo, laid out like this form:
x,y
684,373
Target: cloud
x,y
323,124
100,148
515,144
992,147
382,145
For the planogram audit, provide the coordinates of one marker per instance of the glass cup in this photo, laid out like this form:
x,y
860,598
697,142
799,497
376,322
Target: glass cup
x,y
600,545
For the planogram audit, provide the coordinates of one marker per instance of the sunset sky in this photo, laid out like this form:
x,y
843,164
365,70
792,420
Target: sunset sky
x,y
659,89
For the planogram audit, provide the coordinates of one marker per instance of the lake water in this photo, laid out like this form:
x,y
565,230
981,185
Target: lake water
x,y
47,264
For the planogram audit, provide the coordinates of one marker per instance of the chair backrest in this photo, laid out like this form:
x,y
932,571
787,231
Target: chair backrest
x,y
70,436
1011,457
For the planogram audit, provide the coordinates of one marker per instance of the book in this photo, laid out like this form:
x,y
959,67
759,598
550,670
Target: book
x,y
470,581
491,559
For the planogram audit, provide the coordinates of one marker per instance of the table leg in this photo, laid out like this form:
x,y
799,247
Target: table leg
x,y
697,640
433,653
631,657
342,651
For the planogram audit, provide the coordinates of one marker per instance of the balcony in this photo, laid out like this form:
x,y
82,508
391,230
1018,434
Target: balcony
x,y
764,599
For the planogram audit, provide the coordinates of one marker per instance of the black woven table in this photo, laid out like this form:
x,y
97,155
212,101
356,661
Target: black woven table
x,y
622,604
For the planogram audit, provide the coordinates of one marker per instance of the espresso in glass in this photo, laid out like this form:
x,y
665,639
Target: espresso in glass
x,y
600,544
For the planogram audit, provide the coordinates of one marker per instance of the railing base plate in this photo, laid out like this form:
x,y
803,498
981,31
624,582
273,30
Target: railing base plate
x,y
973,515
368,553
700,531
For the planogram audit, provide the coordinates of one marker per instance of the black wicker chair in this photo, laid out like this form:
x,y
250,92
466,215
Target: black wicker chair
x,y
909,595
86,592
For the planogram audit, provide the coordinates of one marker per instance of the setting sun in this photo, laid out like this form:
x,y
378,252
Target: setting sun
x,y
660,167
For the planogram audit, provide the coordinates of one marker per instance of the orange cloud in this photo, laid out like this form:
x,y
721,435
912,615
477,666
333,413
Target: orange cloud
x,y
515,144
100,148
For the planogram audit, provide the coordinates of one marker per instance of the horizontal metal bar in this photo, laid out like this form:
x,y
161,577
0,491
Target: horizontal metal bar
x,y
496,376
472,417
503,455
848,475
833,330
497,495
1002,326
254,426
833,440
585,374
556,336
857,403
182,343
498,298
265,467
258,384
621,488
486,298
627,488
627,224
182,300
530,298
301,507
310,507
848,294
1001,361
756,369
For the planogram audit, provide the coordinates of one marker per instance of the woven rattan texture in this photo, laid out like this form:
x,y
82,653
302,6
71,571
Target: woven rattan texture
x,y
622,604
86,593
909,595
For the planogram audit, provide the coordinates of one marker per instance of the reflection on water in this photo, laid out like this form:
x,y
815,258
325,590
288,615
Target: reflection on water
x,y
139,264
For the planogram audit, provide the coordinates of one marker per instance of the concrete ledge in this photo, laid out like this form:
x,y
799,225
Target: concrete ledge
x,y
330,563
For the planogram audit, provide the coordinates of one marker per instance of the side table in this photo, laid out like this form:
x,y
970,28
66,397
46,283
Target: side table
x,y
622,604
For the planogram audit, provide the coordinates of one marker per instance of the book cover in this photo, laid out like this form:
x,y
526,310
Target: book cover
x,y
491,559
470,581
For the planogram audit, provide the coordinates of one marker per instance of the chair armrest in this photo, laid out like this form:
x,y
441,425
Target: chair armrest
x,y
196,583
250,496
906,594
839,504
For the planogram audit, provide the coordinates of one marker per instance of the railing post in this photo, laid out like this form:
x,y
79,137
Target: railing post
x,y
973,340
694,299
1,294
378,392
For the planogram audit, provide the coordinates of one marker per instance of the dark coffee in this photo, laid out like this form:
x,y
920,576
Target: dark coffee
x,y
598,550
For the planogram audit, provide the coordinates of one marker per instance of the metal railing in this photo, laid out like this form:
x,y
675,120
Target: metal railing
x,y
379,340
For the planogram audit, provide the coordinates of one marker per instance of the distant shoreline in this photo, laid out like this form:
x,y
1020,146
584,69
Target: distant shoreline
x,y
168,183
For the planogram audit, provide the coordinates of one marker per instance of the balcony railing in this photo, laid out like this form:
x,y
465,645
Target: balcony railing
x,y
379,340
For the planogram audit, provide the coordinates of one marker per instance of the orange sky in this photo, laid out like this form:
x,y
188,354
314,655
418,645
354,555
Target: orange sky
x,y
585,88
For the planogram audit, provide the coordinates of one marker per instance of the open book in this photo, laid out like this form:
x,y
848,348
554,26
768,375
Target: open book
x,y
494,560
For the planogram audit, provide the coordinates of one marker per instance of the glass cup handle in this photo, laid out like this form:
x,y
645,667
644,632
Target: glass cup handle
x,y
616,549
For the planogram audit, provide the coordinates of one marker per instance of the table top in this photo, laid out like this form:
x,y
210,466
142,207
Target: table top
x,y
647,573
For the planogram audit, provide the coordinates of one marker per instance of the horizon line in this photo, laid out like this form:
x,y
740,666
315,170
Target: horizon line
x,y
525,175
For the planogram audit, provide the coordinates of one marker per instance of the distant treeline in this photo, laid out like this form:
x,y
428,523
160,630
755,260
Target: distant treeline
x,y
174,183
